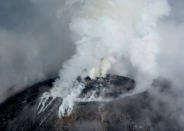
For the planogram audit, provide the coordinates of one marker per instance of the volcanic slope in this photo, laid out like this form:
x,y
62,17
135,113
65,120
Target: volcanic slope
x,y
132,113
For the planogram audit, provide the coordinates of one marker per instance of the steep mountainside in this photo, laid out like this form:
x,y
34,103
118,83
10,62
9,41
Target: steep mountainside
x,y
132,113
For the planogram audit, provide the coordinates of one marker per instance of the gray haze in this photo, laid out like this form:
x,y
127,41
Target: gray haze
x,y
34,42
171,57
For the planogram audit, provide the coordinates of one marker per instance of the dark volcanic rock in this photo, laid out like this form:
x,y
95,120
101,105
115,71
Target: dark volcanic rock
x,y
112,86
16,105
133,113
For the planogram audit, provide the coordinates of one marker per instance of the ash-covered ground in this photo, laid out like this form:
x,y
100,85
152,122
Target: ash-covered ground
x,y
140,112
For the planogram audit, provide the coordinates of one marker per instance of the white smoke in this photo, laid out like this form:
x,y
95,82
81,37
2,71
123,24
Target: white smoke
x,y
117,36
101,69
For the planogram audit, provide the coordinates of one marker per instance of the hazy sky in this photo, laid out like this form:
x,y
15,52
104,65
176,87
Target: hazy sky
x,y
33,42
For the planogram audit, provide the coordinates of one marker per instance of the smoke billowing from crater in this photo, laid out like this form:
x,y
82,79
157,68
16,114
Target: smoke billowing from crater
x,y
130,38
117,37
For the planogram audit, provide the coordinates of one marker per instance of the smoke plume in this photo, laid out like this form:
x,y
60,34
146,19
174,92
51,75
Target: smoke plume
x,y
133,38
106,34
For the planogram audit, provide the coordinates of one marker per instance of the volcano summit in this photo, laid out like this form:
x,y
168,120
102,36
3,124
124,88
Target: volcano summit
x,y
132,113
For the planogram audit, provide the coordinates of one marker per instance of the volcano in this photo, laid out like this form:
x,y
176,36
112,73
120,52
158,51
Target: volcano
x,y
132,113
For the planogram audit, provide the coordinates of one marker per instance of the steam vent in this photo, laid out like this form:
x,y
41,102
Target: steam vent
x,y
131,113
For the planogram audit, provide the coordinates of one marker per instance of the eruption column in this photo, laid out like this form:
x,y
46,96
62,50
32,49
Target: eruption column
x,y
117,36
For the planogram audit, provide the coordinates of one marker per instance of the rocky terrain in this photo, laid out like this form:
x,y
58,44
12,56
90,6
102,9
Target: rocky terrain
x,y
132,113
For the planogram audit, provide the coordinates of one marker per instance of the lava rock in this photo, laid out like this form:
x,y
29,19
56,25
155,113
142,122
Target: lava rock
x,y
132,113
